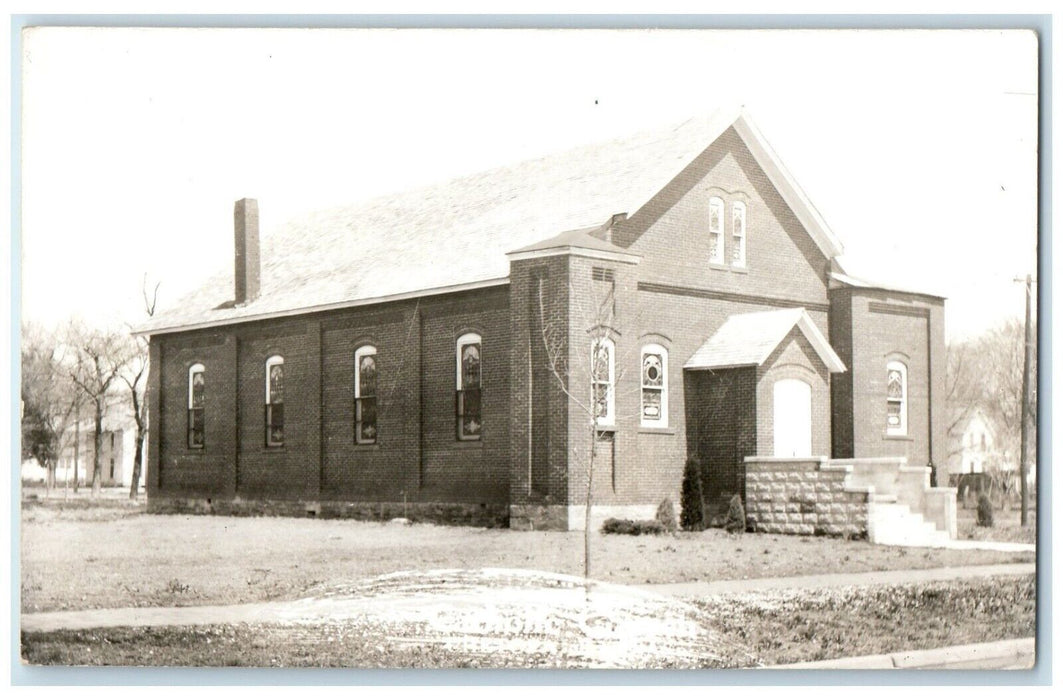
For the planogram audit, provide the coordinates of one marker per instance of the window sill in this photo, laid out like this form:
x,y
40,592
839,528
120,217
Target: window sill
x,y
723,267
366,446
470,444
648,430
901,438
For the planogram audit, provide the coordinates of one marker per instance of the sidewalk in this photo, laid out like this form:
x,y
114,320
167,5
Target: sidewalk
x,y
281,611
1007,655
693,589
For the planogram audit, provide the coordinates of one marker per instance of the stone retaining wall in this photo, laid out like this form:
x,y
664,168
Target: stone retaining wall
x,y
804,496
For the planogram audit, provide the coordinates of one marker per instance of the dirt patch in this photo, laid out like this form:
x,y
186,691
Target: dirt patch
x,y
512,617
515,619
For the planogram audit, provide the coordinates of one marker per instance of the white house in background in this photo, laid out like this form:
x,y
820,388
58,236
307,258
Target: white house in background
x,y
116,454
974,446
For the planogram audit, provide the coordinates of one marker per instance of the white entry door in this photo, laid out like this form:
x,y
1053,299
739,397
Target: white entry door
x,y
792,424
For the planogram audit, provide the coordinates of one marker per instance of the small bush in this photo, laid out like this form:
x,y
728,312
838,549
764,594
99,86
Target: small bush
x,y
691,505
666,515
623,526
736,516
985,511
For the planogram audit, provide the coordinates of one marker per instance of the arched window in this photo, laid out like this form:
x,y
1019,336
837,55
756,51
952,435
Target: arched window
x,y
365,392
468,416
603,374
654,386
896,398
738,234
716,213
196,417
275,401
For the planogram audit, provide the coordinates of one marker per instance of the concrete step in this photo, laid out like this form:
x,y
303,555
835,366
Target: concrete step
x,y
896,524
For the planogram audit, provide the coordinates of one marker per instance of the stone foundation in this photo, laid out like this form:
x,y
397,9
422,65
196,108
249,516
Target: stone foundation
x,y
804,496
538,517
571,517
476,515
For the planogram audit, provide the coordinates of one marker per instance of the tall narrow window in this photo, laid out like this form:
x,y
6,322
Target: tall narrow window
x,y
896,399
275,401
603,372
738,234
196,386
716,230
365,428
654,386
469,380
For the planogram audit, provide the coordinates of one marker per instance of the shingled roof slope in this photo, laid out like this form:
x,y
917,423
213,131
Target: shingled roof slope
x,y
450,234
751,338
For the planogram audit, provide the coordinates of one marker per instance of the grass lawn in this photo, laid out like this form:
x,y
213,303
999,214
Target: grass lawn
x,y
1006,525
738,631
115,555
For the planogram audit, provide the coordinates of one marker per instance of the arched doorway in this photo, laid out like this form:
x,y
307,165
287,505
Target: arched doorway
x,y
792,418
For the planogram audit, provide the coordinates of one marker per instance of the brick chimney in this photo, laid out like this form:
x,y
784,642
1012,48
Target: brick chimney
x,y
245,218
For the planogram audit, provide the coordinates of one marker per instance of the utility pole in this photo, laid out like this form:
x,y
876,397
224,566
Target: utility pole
x,y
1025,414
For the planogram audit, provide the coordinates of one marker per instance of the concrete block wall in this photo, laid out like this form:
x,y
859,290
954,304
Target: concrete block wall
x,y
795,496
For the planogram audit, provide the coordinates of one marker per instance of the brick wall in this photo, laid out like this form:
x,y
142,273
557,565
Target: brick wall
x,y
841,386
417,455
538,478
803,497
869,328
670,231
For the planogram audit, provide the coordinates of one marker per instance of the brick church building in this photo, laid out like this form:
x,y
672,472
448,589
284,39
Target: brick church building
x,y
410,355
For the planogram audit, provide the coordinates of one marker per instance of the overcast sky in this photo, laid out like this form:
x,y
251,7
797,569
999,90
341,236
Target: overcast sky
x,y
918,147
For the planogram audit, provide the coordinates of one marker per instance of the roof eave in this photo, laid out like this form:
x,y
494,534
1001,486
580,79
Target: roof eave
x,y
819,343
787,186
180,328
629,258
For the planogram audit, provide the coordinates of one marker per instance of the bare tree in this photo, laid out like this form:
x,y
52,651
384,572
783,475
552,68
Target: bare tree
x,y
588,374
962,390
99,358
1000,380
985,373
135,377
134,374
49,400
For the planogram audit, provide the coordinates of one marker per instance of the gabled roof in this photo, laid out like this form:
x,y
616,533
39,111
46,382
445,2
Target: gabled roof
x,y
749,339
455,235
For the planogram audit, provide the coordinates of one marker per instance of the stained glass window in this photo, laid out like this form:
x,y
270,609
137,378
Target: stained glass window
x,y
738,234
602,372
716,230
275,401
896,399
654,386
196,406
365,396
468,410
